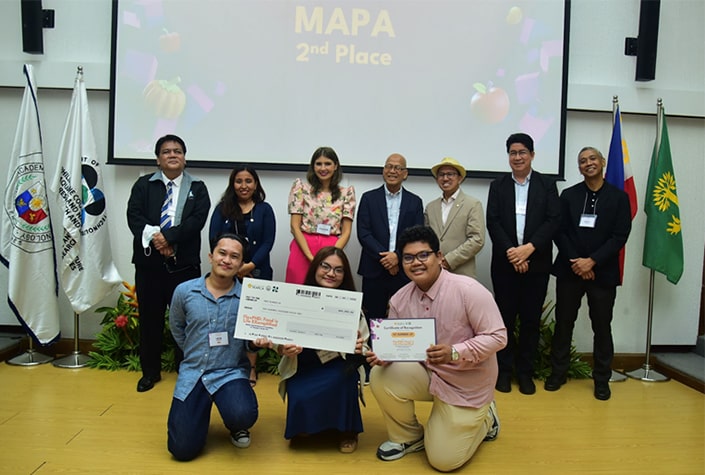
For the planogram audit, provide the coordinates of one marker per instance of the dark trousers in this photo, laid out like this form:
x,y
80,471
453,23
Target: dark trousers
x,y
375,298
188,421
520,296
155,287
377,292
600,298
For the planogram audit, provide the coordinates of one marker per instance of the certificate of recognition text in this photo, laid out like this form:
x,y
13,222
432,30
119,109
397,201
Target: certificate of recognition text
x,y
402,339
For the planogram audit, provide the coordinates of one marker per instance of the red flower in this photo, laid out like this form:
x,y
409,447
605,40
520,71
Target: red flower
x,y
121,321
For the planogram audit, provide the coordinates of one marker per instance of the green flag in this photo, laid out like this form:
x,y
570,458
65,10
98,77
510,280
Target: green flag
x,y
663,242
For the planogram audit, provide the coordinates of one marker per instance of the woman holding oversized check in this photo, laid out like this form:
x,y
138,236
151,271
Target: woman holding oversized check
x,y
322,386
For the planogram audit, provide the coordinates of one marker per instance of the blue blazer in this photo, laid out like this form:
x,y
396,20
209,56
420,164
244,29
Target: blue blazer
x,y
373,227
260,234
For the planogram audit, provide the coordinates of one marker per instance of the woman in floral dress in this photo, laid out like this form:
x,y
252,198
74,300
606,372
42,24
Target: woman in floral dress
x,y
321,212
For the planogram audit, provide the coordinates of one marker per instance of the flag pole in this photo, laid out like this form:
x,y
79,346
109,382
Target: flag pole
x,y
76,359
616,377
646,372
30,357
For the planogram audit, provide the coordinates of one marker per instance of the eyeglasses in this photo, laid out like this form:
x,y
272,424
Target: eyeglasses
x,y
522,153
396,168
420,256
448,175
325,267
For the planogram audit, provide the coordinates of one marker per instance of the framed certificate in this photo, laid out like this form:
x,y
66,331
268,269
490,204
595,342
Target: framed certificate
x,y
402,339
312,317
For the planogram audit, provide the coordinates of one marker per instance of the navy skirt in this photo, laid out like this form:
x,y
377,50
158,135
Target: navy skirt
x,y
322,397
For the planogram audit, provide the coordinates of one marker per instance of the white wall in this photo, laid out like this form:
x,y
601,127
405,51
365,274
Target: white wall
x,y
676,307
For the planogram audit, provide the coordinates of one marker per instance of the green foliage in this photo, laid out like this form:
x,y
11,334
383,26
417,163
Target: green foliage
x,y
578,369
117,344
267,361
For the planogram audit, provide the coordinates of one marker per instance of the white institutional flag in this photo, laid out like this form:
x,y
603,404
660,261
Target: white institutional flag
x,y
88,273
27,244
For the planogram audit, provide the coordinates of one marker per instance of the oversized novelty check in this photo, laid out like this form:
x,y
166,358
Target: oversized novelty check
x,y
402,339
312,317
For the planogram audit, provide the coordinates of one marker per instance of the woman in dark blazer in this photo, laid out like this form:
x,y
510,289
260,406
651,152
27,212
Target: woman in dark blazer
x,y
242,210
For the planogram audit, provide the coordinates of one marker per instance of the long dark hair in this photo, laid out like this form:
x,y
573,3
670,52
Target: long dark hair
x,y
334,180
229,205
347,284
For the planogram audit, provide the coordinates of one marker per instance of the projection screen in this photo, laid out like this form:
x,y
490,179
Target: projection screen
x,y
266,82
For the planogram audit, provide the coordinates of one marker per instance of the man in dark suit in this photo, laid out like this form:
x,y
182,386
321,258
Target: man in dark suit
x,y
383,213
166,212
595,224
523,214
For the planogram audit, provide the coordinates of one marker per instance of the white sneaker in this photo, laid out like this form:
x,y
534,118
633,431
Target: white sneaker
x,y
392,451
494,430
241,439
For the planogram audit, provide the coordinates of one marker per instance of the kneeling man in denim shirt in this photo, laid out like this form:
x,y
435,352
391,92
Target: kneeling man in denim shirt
x,y
215,368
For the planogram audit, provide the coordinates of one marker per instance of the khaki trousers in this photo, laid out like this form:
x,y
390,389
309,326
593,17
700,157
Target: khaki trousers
x,y
453,433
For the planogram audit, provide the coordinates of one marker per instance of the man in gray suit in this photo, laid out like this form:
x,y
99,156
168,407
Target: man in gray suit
x,y
456,218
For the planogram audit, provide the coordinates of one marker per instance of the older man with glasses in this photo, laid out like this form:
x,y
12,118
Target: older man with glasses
x,y
460,369
456,218
382,215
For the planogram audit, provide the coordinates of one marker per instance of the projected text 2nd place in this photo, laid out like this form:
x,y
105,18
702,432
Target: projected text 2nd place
x,y
342,53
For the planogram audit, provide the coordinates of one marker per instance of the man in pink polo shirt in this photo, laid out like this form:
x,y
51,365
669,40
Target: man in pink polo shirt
x,y
460,369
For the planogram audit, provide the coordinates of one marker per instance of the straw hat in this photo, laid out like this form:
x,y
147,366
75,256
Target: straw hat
x,y
449,162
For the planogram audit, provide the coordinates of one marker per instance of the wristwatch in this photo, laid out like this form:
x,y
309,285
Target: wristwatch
x,y
454,355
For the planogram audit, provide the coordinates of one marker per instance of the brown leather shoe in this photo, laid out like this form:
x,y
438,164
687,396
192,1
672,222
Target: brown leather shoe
x,y
348,443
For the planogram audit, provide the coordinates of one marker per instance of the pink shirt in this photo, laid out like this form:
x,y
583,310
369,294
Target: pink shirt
x,y
467,318
319,209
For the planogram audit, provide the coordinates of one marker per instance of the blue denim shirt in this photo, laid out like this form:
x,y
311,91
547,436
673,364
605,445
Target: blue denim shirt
x,y
193,315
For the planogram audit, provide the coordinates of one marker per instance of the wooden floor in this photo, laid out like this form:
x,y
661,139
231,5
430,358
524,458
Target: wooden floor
x,y
55,420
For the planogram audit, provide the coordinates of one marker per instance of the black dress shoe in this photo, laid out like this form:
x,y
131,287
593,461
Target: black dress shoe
x,y
602,390
526,385
147,382
554,383
504,382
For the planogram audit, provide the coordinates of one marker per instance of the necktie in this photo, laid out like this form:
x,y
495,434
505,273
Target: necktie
x,y
165,219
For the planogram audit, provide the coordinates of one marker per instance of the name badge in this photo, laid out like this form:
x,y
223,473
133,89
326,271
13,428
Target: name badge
x,y
521,208
323,229
587,220
218,339
325,355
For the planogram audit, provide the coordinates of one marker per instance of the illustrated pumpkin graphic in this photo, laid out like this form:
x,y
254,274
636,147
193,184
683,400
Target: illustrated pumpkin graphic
x,y
165,98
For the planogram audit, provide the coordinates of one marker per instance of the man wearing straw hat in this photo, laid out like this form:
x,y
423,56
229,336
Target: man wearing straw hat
x,y
456,218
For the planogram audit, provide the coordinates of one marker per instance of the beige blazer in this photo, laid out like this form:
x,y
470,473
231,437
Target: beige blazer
x,y
464,233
